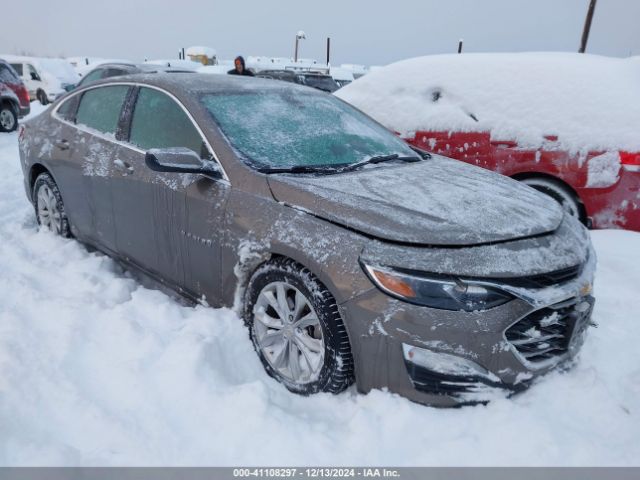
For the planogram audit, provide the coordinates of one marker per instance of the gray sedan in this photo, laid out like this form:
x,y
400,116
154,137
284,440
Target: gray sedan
x,y
349,255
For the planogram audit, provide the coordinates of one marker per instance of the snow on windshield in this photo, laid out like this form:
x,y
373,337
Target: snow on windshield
x,y
288,128
590,102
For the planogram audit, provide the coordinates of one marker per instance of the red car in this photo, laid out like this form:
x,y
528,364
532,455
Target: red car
x,y
566,124
603,196
14,98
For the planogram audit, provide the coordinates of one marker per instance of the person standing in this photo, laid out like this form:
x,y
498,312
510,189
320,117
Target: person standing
x,y
240,68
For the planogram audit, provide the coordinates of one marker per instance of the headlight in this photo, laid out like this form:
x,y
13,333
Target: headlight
x,y
443,292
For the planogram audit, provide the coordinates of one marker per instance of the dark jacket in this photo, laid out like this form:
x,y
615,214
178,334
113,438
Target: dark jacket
x,y
244,68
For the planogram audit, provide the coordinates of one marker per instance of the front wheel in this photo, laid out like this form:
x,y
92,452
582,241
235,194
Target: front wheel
x,y
297,330
49,207
8,118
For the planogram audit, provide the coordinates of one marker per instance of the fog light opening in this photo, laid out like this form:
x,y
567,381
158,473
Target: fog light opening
x,y
445,364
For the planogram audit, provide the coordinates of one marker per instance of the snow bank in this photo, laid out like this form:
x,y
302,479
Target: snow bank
x,y
96,369
590,102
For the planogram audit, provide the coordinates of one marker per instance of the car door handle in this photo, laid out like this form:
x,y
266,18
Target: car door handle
x,y
62,144
123,166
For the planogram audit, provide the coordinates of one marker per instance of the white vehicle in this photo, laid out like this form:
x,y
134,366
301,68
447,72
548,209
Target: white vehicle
x,y
41,84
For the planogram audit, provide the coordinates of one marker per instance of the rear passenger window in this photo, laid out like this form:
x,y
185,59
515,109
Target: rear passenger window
x,y
100,108
159,122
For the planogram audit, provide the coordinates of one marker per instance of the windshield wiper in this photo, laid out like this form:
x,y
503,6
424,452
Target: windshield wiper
x,y
380,159
339,168
298,169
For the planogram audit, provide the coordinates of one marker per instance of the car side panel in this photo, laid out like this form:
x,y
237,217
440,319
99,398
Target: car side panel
x,y
614,205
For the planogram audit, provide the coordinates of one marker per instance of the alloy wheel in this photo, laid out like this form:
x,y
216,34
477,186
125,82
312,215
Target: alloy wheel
x,y
49,214
7,119
288,333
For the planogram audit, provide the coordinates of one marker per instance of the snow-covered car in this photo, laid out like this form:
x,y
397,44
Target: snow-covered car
x,y
117,69
42,84
565,124
14,98
349,254
317,80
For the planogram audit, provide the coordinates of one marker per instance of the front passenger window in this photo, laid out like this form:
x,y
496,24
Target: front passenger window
x,y
159,122
100,108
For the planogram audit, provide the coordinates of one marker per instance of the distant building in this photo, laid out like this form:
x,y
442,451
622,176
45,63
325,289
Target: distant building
x,y
203,55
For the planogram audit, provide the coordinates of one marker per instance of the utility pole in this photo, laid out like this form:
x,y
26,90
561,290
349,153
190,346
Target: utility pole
x,y
328,50
460,42
587,26
299,36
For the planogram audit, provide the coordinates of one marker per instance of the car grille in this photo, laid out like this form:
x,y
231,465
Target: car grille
x,y
551,332
546,279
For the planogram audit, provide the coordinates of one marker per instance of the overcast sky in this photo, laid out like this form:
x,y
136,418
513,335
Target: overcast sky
x,y
369,32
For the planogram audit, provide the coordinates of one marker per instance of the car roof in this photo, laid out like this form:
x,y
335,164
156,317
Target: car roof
x,y
194,82
293,72
140,66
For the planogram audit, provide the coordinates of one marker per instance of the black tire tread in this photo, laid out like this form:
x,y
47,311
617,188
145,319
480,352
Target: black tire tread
x,y
341,374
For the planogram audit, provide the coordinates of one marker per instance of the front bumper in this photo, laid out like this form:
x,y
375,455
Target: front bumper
x,y
513,343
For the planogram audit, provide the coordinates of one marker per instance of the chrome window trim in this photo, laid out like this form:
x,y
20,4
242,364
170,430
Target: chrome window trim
x,y
103,136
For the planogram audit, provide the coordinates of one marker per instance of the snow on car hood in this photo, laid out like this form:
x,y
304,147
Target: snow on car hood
x,y
434,202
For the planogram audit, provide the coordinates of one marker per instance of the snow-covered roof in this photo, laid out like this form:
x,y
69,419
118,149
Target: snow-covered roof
x,y
176,63
590,102
199,50
58,68
214,69
262,62
339,73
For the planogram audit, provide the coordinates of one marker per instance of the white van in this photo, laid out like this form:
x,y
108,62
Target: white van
x,y
41,84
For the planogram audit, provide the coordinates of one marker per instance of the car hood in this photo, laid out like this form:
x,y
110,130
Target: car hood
x,y
437,201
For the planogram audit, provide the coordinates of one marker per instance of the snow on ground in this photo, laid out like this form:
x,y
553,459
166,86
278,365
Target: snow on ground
x,y
96,369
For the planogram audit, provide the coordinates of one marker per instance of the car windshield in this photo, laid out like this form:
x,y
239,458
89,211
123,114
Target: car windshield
x,y
294,128
321,82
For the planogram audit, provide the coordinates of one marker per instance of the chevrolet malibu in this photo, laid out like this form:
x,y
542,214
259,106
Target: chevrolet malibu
x,y
350,256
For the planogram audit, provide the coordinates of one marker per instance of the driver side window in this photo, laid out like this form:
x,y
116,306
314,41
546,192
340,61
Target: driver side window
x,y
33,73
159,122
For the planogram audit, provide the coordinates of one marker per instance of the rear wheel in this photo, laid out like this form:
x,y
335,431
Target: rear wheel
x,y
49,207
297,330
8,118
560,193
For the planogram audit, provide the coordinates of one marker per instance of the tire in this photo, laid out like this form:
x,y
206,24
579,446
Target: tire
x,y
560,193
308,352
42,97
50,211
8,117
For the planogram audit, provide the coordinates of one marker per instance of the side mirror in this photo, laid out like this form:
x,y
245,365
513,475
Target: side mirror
x,y
180,160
